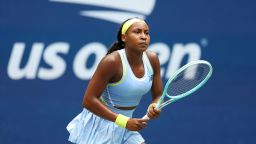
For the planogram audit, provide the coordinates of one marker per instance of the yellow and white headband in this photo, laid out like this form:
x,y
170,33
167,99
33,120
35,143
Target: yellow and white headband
x,y
128,23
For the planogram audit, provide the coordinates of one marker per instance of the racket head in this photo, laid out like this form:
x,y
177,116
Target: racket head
x,y
185,81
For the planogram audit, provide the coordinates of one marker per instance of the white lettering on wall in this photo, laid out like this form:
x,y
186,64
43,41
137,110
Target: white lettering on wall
x,y
14,69
79,65
58,65
170,60
179,51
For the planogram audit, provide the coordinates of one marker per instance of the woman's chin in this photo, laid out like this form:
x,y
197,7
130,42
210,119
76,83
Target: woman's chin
x,y
144,48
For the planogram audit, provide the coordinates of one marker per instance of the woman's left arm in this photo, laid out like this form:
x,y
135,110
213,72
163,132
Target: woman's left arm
x,y
157,85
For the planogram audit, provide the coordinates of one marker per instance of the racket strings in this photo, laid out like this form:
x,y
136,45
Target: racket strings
x,y
188,79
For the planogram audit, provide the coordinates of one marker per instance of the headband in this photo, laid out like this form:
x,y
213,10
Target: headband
x,y
128,24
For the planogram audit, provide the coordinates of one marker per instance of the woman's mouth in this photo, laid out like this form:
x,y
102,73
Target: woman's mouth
x,y
143,44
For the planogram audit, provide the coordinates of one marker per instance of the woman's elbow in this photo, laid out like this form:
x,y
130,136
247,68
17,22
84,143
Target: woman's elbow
x,y
87,102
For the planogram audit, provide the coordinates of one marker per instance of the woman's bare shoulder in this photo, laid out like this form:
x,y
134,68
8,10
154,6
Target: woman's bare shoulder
x,y
110,62
112,58
152,56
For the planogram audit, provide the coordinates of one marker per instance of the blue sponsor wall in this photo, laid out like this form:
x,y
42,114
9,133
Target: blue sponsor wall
x,y
48,51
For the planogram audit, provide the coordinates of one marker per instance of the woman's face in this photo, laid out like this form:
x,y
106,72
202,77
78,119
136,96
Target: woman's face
x,y
137,37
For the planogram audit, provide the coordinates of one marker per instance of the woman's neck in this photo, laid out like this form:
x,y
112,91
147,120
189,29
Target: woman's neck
x,y
134,58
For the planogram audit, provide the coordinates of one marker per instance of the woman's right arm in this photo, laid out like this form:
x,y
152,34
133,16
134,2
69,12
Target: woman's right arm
x,y
105,71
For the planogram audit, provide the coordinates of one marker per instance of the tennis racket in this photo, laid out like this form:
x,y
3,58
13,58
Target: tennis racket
x,y
184,82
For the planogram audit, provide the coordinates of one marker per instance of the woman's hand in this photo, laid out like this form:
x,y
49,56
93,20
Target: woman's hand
x,y
153,112
135,124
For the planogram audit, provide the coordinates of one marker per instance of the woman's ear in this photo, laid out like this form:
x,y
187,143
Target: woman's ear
x,y
123,37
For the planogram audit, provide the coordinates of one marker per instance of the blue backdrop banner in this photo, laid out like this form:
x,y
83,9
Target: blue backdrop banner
x,y
49,50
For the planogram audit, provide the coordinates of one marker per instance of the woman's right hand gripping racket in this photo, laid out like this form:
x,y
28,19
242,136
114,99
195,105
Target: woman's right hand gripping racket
x,y
184,82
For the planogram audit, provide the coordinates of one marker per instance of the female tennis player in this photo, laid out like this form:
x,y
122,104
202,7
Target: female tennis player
x,y
123,76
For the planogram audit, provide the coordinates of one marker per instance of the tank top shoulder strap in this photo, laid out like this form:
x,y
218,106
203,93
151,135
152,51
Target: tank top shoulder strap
x,y
122,56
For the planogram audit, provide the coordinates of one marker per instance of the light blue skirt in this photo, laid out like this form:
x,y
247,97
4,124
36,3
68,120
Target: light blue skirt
x,y
88,128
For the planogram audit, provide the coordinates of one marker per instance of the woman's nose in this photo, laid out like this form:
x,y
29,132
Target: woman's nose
x,y
143,36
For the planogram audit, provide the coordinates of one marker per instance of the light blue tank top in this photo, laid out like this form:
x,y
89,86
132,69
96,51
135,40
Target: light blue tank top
x,y
128,91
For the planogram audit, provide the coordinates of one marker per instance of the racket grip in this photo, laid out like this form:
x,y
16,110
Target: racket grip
x,y
146,117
